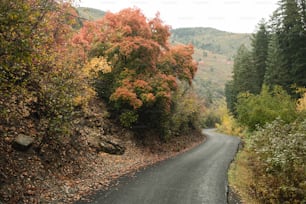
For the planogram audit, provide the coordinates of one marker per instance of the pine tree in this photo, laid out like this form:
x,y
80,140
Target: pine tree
x,y
260,43
286,63
244,72
292,43
276,72
299,65
230,95
244,77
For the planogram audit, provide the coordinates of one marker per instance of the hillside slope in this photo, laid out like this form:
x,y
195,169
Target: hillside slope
x,y
214,52
90,13
211,39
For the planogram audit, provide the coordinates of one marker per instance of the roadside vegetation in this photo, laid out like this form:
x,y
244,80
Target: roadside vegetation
x,y
266,103
72,88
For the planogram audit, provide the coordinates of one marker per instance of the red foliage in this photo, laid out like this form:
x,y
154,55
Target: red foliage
x,y
126,95
178,60
160,32
147,67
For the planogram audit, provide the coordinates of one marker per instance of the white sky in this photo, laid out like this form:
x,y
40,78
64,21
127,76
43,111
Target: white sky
x,y
228,15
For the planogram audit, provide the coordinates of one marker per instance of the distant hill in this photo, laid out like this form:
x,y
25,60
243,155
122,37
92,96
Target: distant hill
x,y
214,52
216,41
90,13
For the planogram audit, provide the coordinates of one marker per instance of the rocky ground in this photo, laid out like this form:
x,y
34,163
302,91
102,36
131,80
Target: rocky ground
x,y
65,172
233,197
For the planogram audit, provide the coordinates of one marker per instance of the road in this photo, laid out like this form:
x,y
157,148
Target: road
x,y
197,176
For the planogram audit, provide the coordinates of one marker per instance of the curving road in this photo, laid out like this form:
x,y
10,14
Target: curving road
x,y
197,176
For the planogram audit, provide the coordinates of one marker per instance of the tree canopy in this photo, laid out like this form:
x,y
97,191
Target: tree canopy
x,y
145,69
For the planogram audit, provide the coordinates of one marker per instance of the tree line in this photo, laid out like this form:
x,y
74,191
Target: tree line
x,y
277,56
267,98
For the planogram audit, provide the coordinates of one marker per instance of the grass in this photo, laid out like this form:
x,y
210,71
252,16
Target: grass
x,y
241,178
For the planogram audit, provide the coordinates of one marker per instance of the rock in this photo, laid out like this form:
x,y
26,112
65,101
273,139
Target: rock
x,y
111,147
22,142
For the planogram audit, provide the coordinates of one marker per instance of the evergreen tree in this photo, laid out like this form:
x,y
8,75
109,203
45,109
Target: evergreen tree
x,y
244,73
231,96
286,63
260,43
299,70
290,33
244,79
276,73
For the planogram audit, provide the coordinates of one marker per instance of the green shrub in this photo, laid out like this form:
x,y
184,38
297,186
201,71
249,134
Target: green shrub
x,y
280,157
128,118
186,114
257,110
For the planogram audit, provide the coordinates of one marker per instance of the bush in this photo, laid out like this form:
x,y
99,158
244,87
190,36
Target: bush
x,y
187,113
280,152
227,123
128,118
257,110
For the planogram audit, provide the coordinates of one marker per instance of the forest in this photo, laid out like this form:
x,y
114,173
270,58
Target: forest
x,y
266,103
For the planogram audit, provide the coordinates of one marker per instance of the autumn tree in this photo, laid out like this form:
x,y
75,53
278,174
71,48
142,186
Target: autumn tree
x,y
145,69
36,65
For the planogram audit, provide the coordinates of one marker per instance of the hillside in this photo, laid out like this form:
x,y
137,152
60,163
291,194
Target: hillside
x,y
67,129
213,71
90,13
214,52
216,41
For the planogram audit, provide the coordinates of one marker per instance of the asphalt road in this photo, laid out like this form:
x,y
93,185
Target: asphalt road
x,y
197,176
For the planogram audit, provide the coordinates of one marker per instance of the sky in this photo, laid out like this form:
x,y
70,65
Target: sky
x,y
227,15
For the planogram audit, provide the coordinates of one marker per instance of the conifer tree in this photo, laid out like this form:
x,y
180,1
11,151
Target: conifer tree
x,y
244,79
260,43
288,26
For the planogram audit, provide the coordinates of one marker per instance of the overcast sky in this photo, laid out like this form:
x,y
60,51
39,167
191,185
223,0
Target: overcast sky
x,y
228,15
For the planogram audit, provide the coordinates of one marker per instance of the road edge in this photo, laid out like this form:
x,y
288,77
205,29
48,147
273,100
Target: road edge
x,y
232,196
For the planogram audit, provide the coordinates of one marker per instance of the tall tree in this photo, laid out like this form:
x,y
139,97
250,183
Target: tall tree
x,y
244,74
145,68
244,77
288,26
260,41
230,96
276,72
37,64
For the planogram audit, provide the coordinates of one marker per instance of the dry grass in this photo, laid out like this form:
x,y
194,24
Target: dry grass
x,y
241,178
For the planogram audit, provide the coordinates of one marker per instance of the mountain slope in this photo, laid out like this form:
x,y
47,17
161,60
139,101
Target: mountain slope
x,y
214,52
90,13
219,42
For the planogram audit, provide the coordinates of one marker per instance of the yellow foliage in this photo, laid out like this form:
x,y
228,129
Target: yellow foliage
x,y
228,123
301,103
88,72
95,65
86,94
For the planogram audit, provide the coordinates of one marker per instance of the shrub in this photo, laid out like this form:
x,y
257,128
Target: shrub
x,y
186,114
128,118
257,110
280,152
227,123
